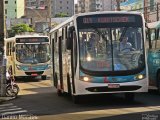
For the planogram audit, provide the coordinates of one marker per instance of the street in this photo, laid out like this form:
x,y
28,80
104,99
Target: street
x,y
38,100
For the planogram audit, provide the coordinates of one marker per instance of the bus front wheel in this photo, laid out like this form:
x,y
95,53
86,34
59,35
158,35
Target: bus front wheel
x,y
76,99
129,97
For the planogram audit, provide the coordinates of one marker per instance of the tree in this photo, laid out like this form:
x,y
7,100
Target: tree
x,y
61,15
19,28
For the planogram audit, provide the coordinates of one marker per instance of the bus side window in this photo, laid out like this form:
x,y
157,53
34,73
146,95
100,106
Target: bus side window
x,y
157,39
7,49
153,38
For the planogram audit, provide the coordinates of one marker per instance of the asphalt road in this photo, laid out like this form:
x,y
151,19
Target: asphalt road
x,y
38,100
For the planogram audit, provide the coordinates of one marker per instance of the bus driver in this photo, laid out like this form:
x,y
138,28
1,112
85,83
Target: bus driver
x,y
125,46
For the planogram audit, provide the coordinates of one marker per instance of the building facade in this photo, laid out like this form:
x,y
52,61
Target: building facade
x,y
62,6
14,8
150,8
36,4
38,11
97,5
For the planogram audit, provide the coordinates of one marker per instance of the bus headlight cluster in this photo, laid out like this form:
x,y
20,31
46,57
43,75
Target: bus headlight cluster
x,y
85,78
139,77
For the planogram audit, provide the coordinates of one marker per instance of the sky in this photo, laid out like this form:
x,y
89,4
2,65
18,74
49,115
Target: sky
x,y
75,1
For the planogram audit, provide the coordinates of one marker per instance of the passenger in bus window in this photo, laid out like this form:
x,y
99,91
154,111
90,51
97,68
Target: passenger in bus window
x,y
83,45
91,44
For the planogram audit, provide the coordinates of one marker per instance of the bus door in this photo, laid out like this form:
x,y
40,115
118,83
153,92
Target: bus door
x,y
64,59
154,56
60,63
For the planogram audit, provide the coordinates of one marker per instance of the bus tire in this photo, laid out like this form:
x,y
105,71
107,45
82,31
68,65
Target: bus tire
x,y
69,85
55,82
59,92
129,97
44,77
158,82
76,99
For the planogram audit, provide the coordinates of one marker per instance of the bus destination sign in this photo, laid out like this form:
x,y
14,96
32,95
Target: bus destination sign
x,y
121,19
32,40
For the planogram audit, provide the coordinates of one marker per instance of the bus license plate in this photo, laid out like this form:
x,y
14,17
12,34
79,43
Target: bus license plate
x,y
113,86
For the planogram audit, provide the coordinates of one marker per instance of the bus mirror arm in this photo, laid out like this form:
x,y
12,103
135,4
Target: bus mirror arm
x,y
157,36
69,41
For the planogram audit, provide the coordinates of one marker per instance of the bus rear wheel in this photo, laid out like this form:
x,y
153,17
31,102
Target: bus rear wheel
x,y
44,77
129,97
69,85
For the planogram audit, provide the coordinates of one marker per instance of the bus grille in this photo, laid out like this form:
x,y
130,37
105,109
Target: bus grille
x,y
30,73
106,89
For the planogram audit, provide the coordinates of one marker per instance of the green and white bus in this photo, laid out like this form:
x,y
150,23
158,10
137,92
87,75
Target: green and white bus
x,y
154,55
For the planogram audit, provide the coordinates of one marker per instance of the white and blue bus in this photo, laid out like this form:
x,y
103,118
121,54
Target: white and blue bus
x,y
29,55
84,65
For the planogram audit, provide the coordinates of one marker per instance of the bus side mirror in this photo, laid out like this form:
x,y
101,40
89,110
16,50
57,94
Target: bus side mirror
x,y
13,49
149,38
157,34
69,41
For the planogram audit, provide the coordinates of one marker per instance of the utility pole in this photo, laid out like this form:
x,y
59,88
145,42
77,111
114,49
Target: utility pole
x,y
118,5
2,23
158,11
50,16
2,63
145,10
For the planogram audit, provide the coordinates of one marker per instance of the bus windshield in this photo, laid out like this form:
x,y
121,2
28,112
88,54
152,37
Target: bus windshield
x,y
111,48
32,53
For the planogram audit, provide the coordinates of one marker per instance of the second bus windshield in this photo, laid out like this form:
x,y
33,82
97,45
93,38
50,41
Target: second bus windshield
x,y
32,53
111,49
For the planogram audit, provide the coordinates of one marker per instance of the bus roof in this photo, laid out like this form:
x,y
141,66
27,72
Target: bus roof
x,y
93,13
24,36
109,12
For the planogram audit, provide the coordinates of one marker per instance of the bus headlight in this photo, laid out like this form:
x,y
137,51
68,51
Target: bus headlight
x,y
85,78
89,58
139,77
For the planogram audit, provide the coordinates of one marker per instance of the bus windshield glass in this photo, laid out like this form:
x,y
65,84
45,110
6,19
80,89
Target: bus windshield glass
x,y
32,53
111,43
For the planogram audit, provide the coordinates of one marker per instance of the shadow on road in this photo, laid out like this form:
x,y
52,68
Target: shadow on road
x,y
46,102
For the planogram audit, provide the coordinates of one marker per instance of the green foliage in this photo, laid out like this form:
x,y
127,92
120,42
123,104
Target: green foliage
x,y
19,28
61,15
